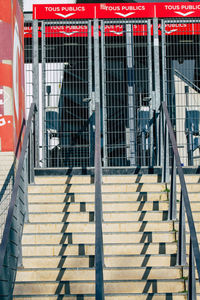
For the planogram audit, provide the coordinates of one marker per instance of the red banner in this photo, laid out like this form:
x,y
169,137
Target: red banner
x,y
115,30
64,11
11,74
116,10
176,9
124,10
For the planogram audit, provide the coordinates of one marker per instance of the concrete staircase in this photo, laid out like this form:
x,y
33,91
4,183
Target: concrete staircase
x,y
139,241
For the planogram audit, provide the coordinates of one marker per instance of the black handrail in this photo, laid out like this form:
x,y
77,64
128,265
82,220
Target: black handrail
x,y
12,204
99,261
184,206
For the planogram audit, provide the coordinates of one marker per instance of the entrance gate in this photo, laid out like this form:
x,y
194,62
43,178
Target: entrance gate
x,y
129,66
122,65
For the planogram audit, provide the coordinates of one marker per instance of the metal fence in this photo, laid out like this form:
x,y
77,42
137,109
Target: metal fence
x,y
142,62
126,87
180,42
66,63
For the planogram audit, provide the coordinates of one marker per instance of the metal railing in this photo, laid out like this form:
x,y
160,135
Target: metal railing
x,y
10,247
184,208
99,261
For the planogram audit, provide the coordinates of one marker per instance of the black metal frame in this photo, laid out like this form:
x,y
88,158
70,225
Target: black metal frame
x,y
10,248
184,207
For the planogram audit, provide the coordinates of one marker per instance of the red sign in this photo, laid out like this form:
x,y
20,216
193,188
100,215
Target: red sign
x,y
124,10
63,11
177,9
6,133
115,30
116,10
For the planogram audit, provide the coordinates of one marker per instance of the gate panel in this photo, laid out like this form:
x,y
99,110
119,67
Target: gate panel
x,y
126,92
66,91
181,79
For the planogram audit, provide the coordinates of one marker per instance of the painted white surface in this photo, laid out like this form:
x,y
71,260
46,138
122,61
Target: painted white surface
x,y
28,4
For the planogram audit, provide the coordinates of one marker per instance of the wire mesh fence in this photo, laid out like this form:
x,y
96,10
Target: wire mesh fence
x,y
66,94
182,85
28,66
126,46
142,62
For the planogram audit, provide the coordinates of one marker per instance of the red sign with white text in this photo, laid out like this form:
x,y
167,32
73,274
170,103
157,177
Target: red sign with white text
x,y
124,10
63,11
115,30
179,9
116,10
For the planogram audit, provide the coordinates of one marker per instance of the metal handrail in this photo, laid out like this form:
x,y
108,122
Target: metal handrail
x,y
99,261
13,201
184,208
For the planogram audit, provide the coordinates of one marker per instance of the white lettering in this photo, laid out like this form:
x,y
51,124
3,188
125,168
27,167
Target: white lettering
x,y
49,9
172,7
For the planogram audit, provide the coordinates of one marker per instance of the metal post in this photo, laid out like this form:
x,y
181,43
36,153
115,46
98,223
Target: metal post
x,y
98,178
172,203
44,144
156,104
104,109
26,188
91,110
181,254
191,277
36,86
188,130
131,97
165,139
31,154
150,88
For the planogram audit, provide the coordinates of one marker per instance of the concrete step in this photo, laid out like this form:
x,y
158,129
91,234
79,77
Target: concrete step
x,y
88,287
86,179
89,249
89,238
107,206
197,224
85,261
109,188
107,216
67,227
80,274
89,197
80,179
191,187
144,296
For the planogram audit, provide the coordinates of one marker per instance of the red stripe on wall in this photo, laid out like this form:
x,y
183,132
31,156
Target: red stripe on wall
x,y
6,75
5,11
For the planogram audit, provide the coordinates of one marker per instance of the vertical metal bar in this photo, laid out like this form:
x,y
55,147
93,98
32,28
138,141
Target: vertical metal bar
x,y
172,201
164,135
26,188
149,50
181,254
98,178
36,86
31,153
104,109
44,144
131,97
191,277
91,112
165,145
157,86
